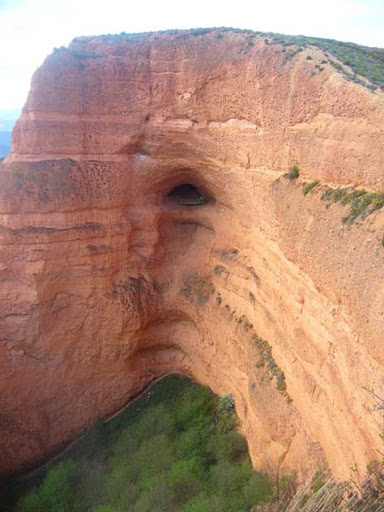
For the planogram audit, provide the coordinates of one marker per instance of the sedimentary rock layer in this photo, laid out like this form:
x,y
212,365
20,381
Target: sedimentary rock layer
x,y
108,281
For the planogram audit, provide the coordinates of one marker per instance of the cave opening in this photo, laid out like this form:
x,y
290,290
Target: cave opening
x,y
187,195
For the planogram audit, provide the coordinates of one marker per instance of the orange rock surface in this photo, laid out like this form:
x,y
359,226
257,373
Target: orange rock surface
x,y
107,282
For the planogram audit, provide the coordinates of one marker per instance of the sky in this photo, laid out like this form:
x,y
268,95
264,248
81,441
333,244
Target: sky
x,y
30,29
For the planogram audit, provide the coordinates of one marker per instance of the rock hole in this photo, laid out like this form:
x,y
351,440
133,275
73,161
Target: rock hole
x,y
187,195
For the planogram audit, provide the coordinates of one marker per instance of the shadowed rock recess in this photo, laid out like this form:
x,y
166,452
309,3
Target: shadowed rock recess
x,y
146,228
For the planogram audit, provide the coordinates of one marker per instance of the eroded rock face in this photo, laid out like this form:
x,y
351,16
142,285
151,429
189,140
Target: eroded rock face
x,y
108,281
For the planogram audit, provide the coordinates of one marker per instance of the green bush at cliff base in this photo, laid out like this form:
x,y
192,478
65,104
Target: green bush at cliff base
x,y
174,450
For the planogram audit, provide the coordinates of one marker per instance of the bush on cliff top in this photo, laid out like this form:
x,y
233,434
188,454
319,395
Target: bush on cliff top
x,y
362,60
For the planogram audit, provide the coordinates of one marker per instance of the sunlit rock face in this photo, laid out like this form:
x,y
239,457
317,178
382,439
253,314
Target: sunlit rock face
x,y
111,275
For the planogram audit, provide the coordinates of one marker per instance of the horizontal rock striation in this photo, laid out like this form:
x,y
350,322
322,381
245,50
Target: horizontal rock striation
x,y
109,281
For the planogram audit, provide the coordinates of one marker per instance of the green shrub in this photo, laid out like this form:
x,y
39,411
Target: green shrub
x,y
30,502
106,508
120,485
203,503
190,444
309,186
258,490
228,478
90,482
377,201
158,498
280,380
146,465
267,362
57,491
227,402
293,174
318,481
226,422
184,480
337,65
227,447
361,203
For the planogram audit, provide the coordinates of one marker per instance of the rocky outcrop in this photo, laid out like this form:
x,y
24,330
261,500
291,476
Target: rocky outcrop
x,y
109,281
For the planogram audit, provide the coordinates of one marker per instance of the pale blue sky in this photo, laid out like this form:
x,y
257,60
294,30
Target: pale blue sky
x,y
30,29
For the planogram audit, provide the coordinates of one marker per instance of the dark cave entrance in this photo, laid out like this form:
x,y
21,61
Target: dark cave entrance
x,y
187,195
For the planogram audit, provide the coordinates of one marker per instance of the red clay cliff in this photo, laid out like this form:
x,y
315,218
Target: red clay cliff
x,y
109,282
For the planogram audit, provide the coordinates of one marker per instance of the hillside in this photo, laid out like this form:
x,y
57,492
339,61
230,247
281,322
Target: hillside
x,y
208,202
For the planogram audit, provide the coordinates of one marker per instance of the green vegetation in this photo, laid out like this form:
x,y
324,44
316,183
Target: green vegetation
x,y
267,361
361,203
55,494
227,403
293,174
307,187
362,60
353,60
174,450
